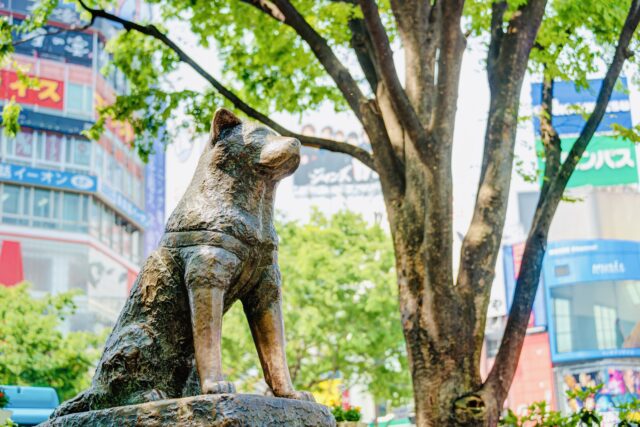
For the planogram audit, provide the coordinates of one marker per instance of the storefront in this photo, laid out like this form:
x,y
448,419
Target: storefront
x,y
588,306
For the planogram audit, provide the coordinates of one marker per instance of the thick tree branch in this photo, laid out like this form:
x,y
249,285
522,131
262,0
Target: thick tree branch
x,y
481,243
152,31
284,11
386,162
452,45
499,380
363,47
550,138
497,33
398,97
418,25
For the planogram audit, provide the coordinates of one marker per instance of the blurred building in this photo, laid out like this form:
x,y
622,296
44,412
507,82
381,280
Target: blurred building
x,y
74,213
584,329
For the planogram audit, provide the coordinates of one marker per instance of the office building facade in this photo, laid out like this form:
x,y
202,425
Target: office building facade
x,y
75,214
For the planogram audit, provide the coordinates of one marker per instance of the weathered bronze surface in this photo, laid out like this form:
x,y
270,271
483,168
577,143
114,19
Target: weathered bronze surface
x,y
220,246
205,411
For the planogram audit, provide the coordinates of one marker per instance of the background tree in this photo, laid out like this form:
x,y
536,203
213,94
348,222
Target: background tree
x,y
340,308
34,352
281,55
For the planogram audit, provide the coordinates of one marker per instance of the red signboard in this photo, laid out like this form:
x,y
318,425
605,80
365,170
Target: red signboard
x,y
11,272
49,93
533,380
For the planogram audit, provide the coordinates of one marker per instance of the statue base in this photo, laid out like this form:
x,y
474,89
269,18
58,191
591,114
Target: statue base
x,y
205,411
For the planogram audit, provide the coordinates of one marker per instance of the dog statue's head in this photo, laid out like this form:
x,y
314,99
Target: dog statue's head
x,y
251,147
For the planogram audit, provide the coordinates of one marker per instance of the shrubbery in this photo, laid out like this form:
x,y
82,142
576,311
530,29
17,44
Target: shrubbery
x,y
350,413
33,351
540,415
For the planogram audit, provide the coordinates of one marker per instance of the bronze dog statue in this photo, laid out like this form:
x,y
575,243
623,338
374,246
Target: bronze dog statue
x,y
220,246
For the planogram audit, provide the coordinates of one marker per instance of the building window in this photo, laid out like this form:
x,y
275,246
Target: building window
x,y
106,219
44,208
562,311
14,204
127,230
605,322
21,148
50,148
79,100
39,271
136,249
94,219
98,164
24,144
74,212
116,238
596,316
78,152
10,199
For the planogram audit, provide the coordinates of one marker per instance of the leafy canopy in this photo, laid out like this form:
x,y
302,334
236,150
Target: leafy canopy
x,y
269,66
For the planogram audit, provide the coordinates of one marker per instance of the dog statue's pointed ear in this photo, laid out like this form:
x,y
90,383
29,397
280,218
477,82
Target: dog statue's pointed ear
x,y
222,119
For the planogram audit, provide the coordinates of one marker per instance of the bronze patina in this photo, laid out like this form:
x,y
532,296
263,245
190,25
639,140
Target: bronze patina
x,y
220,246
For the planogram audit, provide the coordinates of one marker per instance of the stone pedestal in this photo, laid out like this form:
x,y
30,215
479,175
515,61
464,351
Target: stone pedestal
x,y
205,411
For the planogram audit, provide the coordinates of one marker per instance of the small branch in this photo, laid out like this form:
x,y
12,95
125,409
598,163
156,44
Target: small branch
x,y
53,33
399,99
150,30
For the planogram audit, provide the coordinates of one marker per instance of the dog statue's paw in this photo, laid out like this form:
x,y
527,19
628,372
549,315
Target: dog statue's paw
x,y
217,387
154,395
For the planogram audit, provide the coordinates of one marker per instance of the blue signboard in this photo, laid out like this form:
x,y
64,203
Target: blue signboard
x,y
572,124
48,178
567,93
584,261
154,196
592,289
123,204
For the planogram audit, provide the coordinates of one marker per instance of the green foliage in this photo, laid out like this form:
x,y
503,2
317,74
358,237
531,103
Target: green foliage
x,y
574,38
10,114
351,413
34,352
340,307
629,414
630,134
540,415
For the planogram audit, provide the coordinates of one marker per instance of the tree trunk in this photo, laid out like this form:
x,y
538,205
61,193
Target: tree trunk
x,y
441,369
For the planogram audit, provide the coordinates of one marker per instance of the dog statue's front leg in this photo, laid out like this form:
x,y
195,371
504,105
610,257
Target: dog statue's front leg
x,y
263,308
208,275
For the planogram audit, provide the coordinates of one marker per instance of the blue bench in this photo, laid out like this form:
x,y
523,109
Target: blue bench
x,y
30,405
